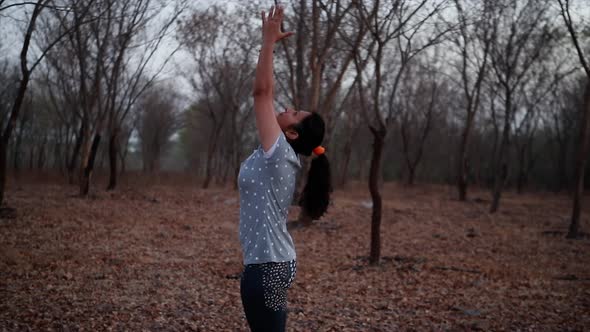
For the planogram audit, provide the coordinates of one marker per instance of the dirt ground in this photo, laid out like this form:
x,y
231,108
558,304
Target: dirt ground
x,y
167,258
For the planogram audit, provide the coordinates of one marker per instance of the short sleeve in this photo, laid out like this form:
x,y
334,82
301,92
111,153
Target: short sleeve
x,y
281,153
268,154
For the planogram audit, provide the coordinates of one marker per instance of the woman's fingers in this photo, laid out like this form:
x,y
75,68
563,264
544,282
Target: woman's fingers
x,y
272,22
280,13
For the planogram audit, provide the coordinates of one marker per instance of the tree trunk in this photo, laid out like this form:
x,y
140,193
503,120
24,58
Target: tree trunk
x,y
226,168
87,174
75,153
582,155
462,162
41,154
210,152
346,163
22,88
501,169
113,154
374,176
123,164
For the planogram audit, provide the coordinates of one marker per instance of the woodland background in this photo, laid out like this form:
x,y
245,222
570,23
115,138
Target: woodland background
x,y
458,133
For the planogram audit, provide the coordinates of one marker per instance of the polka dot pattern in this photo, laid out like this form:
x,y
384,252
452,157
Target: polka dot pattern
x,y
276,280
266,184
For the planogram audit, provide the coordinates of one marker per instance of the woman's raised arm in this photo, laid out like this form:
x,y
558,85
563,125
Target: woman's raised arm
x,y
266,121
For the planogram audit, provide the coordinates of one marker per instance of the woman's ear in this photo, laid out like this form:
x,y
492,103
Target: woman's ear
x,y
291,134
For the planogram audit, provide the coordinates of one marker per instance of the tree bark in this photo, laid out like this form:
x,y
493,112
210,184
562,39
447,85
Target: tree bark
x,y
346,162
462,162
374,176
501,169
210,153
41,154
87,174
113,154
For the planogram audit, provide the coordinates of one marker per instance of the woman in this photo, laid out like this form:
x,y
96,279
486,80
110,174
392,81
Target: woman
x,y
266,184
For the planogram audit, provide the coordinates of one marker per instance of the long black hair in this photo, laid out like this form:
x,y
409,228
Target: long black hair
x,y
315,197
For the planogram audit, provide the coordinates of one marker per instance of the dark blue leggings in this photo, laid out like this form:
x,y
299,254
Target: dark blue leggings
x,y
263,288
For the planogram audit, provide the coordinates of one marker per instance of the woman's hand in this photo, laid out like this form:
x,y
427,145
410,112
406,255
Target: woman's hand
x,y
271,26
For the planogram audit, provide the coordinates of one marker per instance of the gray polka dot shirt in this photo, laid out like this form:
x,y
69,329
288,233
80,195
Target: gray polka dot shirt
x,y
266,183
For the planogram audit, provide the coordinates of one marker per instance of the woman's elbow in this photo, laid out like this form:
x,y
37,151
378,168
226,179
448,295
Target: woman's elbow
x,y
262,91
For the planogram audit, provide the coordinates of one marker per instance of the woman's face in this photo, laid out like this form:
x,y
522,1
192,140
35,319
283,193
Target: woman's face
x,y
291,117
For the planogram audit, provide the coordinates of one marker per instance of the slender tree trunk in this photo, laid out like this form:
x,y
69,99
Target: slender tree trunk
x,y
75,153
582,156
210,154
20,95
462,162
41,154
236,162
501,169
113,155
346,162
87,174
406,150
123,168
374,176
57,147
226,167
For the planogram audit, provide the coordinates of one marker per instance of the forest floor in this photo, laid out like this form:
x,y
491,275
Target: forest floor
x,y
167,258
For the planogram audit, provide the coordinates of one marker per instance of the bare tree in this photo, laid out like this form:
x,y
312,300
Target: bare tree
x,y
26,69
536,94
419,96
399,21
584,136
158,121
512,56
473,43
126,77
104,73
567,99
222,51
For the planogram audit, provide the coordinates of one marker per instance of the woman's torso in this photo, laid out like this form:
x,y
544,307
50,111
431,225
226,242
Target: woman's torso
x,y
266,185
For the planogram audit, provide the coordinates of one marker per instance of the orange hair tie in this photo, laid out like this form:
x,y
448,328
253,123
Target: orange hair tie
x,y
319,150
